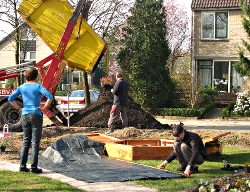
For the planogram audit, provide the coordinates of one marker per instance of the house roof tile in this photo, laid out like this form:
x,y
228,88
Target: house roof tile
x,y
206,4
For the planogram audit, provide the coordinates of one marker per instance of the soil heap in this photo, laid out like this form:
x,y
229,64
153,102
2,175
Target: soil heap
x,y
97,114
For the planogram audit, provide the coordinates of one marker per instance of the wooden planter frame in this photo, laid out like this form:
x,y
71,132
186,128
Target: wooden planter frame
x,y
148,149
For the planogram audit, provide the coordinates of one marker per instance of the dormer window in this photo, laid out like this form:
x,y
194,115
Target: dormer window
x,y
214,25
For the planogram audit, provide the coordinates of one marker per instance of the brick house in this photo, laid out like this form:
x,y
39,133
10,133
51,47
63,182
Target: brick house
x,y
27,47
216,37
35,49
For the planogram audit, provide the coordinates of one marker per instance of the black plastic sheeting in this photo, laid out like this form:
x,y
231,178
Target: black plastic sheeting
x,y
83,159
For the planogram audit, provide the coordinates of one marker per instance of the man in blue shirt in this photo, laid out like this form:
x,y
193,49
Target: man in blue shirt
x,y
32,117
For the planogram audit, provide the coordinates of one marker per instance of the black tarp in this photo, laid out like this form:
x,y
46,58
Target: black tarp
x,y
83,159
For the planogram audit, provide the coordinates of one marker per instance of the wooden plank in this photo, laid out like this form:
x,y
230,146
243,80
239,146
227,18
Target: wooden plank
x,y
119,151
131,153
167,142
214,138
213,147
151,152
148,142
104,139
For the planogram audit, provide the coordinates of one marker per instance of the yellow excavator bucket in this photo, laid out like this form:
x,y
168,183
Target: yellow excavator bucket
x,y
49,18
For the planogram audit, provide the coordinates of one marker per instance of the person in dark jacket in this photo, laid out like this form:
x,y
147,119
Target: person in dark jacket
x,y
120,91
189,149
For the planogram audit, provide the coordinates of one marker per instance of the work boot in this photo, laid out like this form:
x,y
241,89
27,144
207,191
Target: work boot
x,y
194,170
36,170
24,169
110,131
181,169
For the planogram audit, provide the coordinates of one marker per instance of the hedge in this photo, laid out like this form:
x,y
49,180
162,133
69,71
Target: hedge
x,y
61,93
185,112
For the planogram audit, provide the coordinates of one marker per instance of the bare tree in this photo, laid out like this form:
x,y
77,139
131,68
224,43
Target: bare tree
x,y
22,34
105,15
10,16
178,36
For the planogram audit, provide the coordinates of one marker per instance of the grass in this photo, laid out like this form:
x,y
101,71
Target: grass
x,y
209,169
19,181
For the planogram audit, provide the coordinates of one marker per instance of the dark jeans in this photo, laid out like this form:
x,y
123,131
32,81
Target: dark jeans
x,y
32,131
184,153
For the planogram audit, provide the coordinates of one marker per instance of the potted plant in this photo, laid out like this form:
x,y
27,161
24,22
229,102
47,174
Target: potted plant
x,y
3,144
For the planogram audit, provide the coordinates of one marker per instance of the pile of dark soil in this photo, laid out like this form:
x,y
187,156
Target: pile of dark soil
x,y
97,114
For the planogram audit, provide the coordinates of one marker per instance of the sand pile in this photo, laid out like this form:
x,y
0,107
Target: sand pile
x,y
97,114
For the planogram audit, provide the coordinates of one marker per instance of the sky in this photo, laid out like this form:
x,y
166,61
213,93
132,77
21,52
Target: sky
x,y
186,5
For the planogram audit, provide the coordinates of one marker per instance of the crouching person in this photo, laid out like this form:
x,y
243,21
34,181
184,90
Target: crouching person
x,y
189,149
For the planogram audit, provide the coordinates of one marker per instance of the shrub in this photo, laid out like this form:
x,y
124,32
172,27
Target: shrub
x,y
61,93
10,83
208,94
227,111
242,105
4,142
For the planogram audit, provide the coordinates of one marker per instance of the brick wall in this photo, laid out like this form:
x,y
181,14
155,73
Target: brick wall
x,y
221,48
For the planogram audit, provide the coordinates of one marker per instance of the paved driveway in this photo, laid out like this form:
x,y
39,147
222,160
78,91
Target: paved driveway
x,y
215,124
212,120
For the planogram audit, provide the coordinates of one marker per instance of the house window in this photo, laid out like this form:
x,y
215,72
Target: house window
x,y
215,25
220,74
30,56
205,72
27,50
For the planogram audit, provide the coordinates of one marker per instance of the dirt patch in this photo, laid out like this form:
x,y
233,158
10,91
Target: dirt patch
x,y
51,134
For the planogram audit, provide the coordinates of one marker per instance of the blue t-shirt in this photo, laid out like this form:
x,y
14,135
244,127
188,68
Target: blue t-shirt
x,y
32,96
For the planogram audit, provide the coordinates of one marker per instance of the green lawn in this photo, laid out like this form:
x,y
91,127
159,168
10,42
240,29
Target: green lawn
x,y
19,181
209,169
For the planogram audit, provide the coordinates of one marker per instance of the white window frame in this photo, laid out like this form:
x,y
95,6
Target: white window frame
x,y
214,25
28,57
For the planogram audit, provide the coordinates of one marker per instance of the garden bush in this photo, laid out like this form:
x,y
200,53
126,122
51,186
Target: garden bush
x,y
241,107
227,111
61,93
185,112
